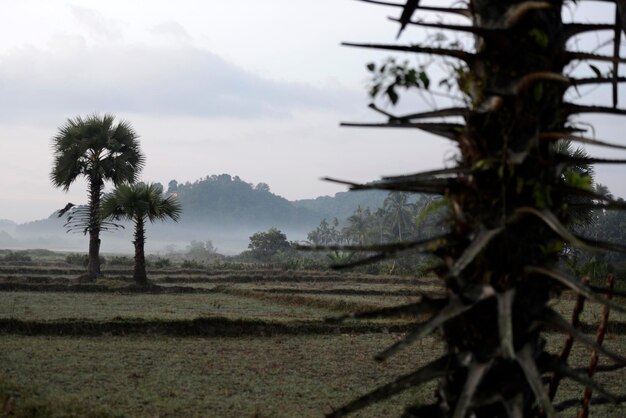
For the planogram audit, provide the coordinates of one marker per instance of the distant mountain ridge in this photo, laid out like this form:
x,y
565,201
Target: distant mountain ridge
x,y
343,204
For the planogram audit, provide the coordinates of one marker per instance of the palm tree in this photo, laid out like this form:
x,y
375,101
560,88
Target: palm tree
x,y
99,150
136,203
358,226
511,195
399,214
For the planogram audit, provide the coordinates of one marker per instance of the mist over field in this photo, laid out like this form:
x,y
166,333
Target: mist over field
x,y
222,209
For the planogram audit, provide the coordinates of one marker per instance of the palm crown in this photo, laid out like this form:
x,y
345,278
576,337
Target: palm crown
x,y
140,201
100,150
96,148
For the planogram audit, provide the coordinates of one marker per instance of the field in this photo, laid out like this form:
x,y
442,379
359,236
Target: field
x,y
227,342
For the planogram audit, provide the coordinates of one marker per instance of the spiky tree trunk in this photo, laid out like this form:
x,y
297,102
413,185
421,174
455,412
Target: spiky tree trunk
x,y
139,274
511,198
522,62
95,194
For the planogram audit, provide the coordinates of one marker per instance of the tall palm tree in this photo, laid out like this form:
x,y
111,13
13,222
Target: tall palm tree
x,y
138,203
358,226
399,214
510,195
97,148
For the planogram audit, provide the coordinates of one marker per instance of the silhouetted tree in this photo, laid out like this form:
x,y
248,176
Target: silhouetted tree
x,y
138,203
99,150
264,245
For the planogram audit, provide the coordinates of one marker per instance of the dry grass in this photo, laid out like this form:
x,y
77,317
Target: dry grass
x,y
106,306
243,377
235,377
285,375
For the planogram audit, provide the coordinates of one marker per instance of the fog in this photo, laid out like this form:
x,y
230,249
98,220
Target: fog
x,y
161,238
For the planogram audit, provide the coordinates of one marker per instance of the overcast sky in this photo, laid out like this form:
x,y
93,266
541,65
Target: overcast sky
x,y
250,88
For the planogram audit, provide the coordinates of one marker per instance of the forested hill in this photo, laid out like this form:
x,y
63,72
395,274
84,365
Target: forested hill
x,y
224,199
343,204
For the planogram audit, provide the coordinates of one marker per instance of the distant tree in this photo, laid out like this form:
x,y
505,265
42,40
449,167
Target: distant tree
x,y
326,233
201,251
399,215
358,226
138,203
172,186
264,245
262,187
99,150
379,217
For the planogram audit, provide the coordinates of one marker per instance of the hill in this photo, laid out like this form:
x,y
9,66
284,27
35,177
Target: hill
x,y
343,204
222,208
230,201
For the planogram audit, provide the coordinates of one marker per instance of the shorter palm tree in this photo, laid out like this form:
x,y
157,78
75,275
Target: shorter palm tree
x,y
136,203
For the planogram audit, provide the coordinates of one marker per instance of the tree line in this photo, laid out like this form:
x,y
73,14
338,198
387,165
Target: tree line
x,y
398,219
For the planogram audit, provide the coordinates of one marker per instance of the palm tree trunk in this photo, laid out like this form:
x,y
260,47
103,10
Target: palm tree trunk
x,y
141,279
512,125
95,193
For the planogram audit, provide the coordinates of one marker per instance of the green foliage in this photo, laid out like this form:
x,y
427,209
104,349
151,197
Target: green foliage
x,y
401,216
265,245
389,76
540,37
326,233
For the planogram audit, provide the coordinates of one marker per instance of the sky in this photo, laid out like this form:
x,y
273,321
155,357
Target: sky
x,y
249,88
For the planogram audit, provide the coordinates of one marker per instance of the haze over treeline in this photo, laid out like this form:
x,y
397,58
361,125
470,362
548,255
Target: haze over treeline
x,y
222,208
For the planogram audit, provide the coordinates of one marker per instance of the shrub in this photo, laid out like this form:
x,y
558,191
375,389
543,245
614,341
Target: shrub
x,y
192,264
162,262
82,260
17,257
121,261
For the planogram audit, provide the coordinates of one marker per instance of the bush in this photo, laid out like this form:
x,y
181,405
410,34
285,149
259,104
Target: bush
x,y
17,257
77,259
264,245
162,262
121,261
192,264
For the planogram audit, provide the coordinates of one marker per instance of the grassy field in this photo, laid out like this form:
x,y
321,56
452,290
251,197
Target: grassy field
x,y
217,343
